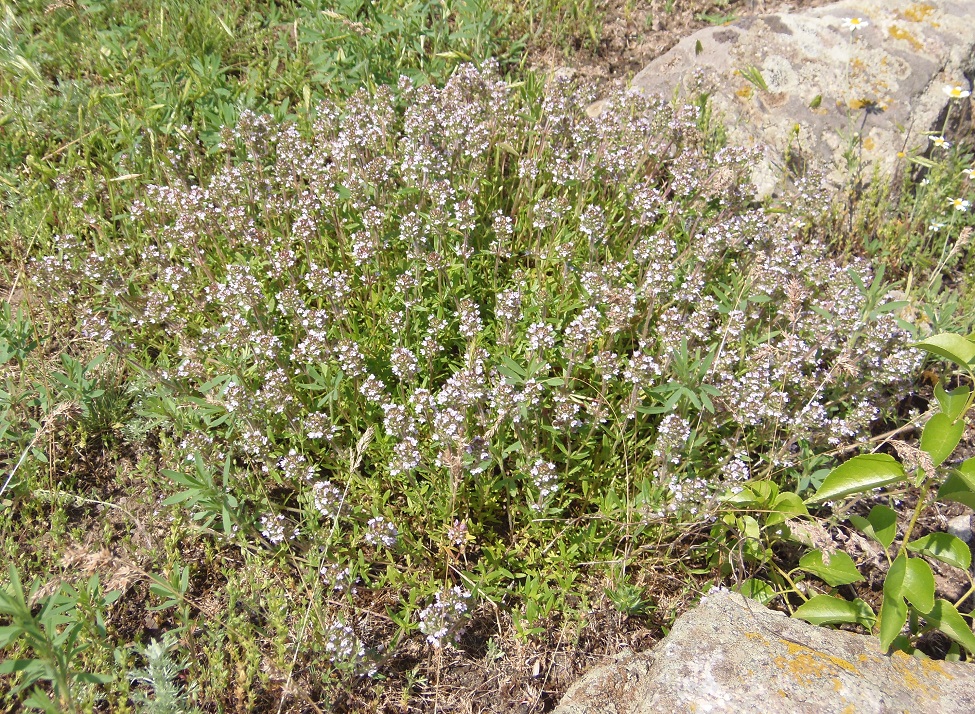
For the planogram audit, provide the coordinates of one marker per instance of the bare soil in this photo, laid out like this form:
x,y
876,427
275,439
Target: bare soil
x,y
636,32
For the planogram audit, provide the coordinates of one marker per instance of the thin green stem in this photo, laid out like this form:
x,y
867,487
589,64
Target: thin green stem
x,y
921,501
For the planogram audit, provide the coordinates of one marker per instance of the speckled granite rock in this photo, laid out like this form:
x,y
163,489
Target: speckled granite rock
x,y
883,80
731,654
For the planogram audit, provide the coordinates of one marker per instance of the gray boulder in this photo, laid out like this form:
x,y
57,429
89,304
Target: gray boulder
x,y
731,654
808,91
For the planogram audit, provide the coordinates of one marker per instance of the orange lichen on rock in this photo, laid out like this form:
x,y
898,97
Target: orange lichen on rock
x,y
918,12
899,33
807,664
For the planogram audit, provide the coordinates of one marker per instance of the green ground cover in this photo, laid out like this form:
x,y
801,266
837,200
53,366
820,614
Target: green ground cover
x,y
348,364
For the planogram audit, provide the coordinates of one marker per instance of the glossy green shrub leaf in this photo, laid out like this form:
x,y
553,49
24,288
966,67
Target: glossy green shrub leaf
x,y
893,611
829,610
893,615
880,524
952,403
940,437
835,570
858,475
787,505
945,547
758,590
950,346
945,617
918,585
960,485
743,497
910,578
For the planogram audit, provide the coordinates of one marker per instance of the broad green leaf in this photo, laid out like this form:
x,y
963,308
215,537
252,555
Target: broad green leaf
x,y
952,403
894,582
766,490
960,485
741,498
880,524
749,528
893,611
790,503
940,437
787,505
951,347
829,610
918,585
840,570
945,617
945,547
859,474
758,590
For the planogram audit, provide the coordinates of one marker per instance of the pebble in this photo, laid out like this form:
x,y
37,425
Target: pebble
x,y
961,527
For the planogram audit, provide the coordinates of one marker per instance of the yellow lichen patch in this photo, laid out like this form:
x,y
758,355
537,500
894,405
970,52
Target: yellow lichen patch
x,y
849,709
869,144
933,665
756,636
905,671
918,12
907,666
805,663
858,104
899,33
745,92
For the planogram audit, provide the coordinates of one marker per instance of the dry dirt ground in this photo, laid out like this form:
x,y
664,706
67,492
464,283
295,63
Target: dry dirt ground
x,y
634,32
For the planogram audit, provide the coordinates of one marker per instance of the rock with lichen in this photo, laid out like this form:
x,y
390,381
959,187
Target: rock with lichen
x,y
731,654
842,89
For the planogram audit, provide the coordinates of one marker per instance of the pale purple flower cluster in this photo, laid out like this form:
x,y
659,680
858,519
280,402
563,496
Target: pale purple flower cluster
x,y
444,619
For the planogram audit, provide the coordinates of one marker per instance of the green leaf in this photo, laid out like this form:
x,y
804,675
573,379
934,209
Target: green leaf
x,y
787,505
950,346
9,633
945,617
952,403
859,474
922,161
894,582
33,667
829,610
880,524
758,590
940,437
945,547
893,615
960,485
840,570
765,490
918,585
39,699
909,578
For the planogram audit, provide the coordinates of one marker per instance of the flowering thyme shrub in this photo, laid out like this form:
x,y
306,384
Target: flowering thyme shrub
x,y
554,324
